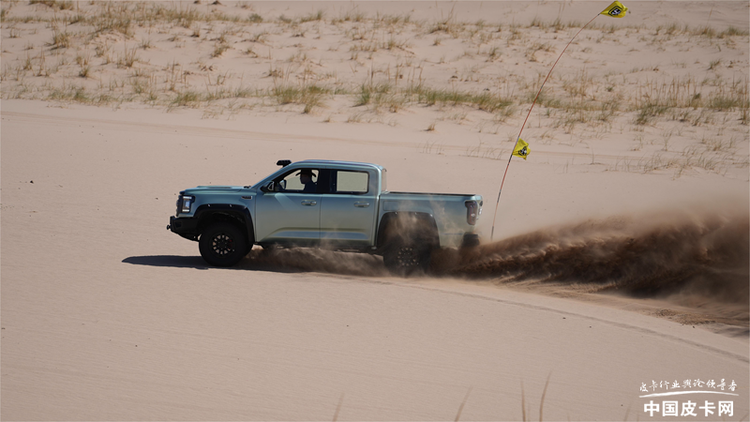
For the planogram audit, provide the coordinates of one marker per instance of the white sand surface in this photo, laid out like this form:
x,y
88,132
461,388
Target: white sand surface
x,y
106,315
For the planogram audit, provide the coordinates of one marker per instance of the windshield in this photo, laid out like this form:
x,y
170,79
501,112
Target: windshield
x,y
266,179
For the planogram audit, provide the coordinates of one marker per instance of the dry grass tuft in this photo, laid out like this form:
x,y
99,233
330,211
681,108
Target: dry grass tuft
x,y
474,77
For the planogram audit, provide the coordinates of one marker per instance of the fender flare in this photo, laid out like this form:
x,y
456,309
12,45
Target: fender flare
x,y
235,214
432,237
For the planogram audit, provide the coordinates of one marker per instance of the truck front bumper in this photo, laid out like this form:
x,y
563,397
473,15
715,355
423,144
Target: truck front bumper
x,y
185,227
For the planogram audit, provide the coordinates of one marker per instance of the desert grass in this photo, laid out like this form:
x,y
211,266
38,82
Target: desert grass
x,y
466,398
482,150
311,96
368,34
484,101
480,76
713,155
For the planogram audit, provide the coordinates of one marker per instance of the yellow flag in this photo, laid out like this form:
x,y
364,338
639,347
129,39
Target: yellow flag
x,y
616,10
521,149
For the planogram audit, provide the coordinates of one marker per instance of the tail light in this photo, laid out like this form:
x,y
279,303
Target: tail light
x,y
473,211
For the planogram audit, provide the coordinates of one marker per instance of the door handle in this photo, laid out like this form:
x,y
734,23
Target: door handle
x,y
309,202
361,204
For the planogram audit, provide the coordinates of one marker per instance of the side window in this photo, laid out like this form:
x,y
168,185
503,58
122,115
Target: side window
x,y
299,181
350,182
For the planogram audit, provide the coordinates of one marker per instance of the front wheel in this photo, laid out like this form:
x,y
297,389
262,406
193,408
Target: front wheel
x,y
222,244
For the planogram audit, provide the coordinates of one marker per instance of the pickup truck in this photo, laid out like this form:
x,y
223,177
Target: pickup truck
x,y
338,205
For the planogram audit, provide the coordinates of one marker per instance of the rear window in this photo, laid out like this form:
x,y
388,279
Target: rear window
x,y
351,182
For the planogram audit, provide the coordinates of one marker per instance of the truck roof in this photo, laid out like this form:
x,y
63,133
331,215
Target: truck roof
x,y
340,163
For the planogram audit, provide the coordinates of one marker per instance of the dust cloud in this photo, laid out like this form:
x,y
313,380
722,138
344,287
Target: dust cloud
x,y
653,256
696,260
314,260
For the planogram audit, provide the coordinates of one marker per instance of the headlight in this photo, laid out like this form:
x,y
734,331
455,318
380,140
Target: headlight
x,y
184,203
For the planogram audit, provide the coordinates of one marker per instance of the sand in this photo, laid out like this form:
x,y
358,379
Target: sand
x,y
619,260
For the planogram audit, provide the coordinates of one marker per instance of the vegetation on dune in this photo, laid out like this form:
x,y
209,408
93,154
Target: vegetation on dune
x,y
373,68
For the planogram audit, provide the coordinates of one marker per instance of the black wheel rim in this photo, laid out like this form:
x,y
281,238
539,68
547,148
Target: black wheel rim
x,y
407,257
222,245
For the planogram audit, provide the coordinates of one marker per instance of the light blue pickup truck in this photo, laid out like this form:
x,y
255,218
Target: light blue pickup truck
x,y
338,205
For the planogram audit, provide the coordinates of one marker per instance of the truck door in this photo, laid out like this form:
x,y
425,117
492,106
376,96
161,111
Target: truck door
x,y
349,210
290,213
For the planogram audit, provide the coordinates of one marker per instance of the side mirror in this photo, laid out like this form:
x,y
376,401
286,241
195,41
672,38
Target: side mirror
x,y
268,188
274,187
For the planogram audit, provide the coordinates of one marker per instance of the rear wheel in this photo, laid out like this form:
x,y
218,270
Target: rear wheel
x,y
408,242
222,244
403,258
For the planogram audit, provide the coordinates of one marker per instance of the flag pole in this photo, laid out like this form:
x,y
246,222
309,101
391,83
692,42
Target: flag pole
x,y
492,234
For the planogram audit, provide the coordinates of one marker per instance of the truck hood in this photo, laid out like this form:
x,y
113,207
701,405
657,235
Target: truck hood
x,y
211,189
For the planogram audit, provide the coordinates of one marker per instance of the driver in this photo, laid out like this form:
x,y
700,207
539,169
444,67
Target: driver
x,y
305,176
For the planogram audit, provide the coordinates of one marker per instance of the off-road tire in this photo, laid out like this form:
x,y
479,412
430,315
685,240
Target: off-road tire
x,y
404,258
222,244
